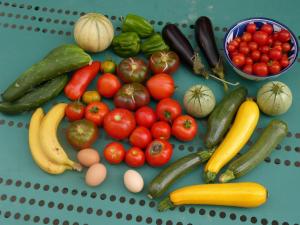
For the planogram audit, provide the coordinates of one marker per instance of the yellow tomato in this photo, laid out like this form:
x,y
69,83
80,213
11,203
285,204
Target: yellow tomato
x,y
91,96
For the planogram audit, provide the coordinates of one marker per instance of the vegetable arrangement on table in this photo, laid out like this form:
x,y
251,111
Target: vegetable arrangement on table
x,y
131,84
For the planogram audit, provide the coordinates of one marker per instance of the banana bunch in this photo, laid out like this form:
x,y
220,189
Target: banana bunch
x,y
44,146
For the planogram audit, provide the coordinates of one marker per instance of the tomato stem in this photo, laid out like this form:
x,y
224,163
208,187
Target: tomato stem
x,y
156,148
187,124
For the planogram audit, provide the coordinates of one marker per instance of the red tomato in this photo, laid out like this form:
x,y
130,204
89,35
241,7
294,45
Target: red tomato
x,y
244,50
140,137
231,48
238,60
274,67
260,69
243,44
74,111
164,62
251,28
161,130
119,123
184,128
108,85
286,47
265,49
275,54
114,153
255,55
252,45
248,61
248,69
135,157
161,86
96,111
158,153
284,36
284,62
168,109
264,58
246,37
145,116
260,37
267,28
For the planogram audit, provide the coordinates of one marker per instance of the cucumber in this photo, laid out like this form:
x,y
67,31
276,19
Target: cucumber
x,y
176,170
62,59
271,136
220,119
36,97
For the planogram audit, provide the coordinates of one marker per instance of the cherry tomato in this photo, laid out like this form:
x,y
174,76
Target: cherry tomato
x,y
284,36
265,49
158,153
74,111
231,48
119,123
243,44
270,41
267,28
252,45
168,109
114,153
238,60
238,39
96,111
251,28
232,54
284,56
286,47
278,47
244,50
277,43
275,54
108,85
264,58
161,130
274,67
248,61
260,69
255,55
140,137
145,116
164,62
260,37
184,128
275,36
234,43
284,62
246,37
248,69
161,86
135,157
108,66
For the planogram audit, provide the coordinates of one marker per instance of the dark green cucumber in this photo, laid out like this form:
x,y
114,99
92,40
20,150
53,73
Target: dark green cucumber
x,y
62,59
176,170
271,136
220,119
36,97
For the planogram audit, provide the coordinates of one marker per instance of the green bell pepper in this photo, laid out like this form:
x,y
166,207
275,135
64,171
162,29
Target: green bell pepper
x,y
126,44
137,24
153,44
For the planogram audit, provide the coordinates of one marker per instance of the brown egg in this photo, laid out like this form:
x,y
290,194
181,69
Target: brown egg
x,y
88,157
95,175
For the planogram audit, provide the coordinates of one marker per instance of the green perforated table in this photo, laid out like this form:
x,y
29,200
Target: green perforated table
x,y
29,29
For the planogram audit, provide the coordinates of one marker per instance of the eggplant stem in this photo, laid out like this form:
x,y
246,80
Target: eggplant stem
x,y
198,67
224,81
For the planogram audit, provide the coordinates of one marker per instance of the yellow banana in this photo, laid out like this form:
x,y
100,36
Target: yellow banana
x,y
48,137
35,147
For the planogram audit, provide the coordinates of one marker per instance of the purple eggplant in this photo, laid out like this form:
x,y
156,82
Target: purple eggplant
x,y
205,38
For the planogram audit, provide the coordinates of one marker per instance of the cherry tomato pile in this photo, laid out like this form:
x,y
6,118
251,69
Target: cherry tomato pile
x,y
148,130
260,51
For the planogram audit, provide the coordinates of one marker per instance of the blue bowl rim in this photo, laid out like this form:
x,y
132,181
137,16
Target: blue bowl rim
x,y
268,19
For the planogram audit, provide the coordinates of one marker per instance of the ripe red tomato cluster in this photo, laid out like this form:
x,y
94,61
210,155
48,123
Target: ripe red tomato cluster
x,y
260,51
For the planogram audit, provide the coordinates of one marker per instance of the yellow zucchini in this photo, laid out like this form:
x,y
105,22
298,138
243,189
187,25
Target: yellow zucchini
x,y
247,194
238,135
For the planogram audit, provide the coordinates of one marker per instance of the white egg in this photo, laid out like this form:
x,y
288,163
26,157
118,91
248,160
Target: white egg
x,y
88,157
133,181
95,175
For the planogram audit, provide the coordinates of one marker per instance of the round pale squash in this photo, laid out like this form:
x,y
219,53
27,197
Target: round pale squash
x,y
274,98
93,32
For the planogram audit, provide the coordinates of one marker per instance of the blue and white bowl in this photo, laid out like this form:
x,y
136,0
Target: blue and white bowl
x,y
239,28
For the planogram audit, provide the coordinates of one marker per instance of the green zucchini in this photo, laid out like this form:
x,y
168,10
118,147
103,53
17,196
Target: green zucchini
x,y
36,97
62,59
220,119
176,170
271,136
